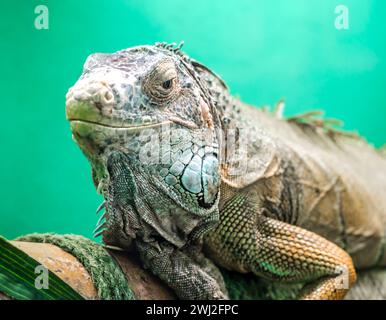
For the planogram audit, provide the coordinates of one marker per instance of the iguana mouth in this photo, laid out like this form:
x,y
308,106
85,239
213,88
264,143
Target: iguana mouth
x,y
84,113
113,126
93,114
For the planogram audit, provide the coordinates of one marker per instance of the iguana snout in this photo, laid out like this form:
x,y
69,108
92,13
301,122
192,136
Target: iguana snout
x,y
97,92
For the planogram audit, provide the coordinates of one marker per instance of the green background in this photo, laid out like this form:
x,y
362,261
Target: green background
x,y
264,50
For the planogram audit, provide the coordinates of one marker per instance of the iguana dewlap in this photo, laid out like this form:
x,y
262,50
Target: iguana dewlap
x,y
192,176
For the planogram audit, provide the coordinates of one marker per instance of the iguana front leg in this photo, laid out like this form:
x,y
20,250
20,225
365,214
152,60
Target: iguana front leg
x,y
247,241
287,252
186,271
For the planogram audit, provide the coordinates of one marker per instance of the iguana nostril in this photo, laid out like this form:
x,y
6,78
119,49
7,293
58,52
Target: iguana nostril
x,y
107,96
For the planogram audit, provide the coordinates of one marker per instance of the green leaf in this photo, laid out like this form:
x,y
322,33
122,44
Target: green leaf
x,y
17,277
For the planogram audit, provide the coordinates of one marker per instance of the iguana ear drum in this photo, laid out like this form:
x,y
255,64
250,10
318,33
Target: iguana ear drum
x,y
205,114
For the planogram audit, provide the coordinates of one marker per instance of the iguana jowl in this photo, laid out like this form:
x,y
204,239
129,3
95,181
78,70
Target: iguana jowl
x,y
193,177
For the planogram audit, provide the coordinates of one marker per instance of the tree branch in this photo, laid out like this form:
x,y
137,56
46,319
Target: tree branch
x,y
144,285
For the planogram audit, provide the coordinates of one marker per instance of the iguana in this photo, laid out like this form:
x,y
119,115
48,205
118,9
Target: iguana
x,y
194,178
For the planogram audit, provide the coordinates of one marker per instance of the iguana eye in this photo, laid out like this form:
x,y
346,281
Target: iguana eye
x,y
167,84
161,84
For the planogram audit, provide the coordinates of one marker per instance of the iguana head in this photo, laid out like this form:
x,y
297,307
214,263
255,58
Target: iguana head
x,y
146,121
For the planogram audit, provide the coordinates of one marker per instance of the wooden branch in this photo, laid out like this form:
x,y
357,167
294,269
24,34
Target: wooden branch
x,y
144,285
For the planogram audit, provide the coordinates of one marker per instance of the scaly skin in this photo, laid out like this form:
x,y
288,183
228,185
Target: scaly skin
x,y
194,178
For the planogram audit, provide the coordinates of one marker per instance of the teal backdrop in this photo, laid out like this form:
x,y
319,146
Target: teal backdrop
x,y
265,50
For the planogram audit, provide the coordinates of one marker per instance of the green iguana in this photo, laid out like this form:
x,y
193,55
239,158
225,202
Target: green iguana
x,y
194,178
